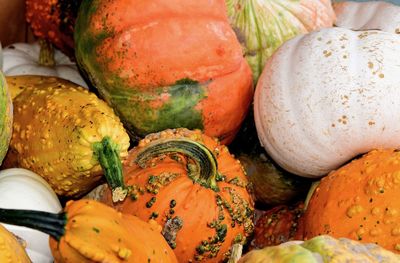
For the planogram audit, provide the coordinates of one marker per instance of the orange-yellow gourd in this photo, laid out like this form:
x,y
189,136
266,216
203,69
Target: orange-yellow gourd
x,y
11,251
359,201
89,231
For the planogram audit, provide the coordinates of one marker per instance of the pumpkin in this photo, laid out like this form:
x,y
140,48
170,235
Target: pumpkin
x,y
263,26
39,58
278,225
372,14
10,248
165,64
328,96
368,212
23,189
67,135
271,184
88,231
194,188
6,117
53,21
321,249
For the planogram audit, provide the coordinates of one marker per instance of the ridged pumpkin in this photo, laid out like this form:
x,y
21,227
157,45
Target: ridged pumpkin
x,y
321,249
66,134
11,250
328,96
262,26
166,64
193,187
359,201
54,21
6,117
380,15
88,231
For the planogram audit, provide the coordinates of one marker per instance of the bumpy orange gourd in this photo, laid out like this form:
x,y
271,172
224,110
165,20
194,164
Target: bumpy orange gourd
x,y
10,249
359,201
54,20
89,231
166,64
193,187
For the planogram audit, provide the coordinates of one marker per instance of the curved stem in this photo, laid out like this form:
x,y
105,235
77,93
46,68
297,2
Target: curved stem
x,y
46,54
107,154
205,167
49,223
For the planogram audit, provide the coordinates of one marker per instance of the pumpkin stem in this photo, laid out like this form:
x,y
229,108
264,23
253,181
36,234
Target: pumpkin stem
x,y
49,223
46,54
107,154
204,170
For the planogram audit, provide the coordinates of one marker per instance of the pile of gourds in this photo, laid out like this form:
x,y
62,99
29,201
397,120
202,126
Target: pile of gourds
x,y
190,131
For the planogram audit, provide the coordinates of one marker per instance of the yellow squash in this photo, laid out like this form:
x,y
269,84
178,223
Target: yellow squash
x,y
65,134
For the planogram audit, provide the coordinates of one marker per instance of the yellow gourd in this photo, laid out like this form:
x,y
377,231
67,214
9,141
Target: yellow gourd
x,y
65,134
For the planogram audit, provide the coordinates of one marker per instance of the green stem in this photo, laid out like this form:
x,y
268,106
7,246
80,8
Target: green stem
x,y
205,168
107,154
49,223
46,54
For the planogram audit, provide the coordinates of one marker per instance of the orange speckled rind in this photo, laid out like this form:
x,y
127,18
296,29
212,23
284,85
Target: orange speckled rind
x,y
359,201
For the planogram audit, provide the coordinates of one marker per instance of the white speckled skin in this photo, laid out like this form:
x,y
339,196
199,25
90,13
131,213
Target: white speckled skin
x,y
325,97
369,15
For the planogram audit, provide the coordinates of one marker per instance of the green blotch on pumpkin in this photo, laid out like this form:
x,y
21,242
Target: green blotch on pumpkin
x,y
178,108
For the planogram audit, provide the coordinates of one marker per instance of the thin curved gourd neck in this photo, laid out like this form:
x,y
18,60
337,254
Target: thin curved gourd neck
x,y
46,54
49,223
202,167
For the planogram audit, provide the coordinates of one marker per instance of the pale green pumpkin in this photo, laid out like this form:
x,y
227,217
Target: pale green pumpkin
x,y
6,117
322,249
263,25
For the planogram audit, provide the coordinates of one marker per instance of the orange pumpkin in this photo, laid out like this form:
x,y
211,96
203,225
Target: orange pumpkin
x,y
194,188
359,201
166,64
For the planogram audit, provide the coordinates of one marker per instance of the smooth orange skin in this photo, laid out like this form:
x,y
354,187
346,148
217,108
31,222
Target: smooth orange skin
x,y
195,204
97,233
359,201
156,43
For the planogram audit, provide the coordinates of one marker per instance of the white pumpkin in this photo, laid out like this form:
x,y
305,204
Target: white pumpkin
x,y
368,15
23,189
328,96
23,59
